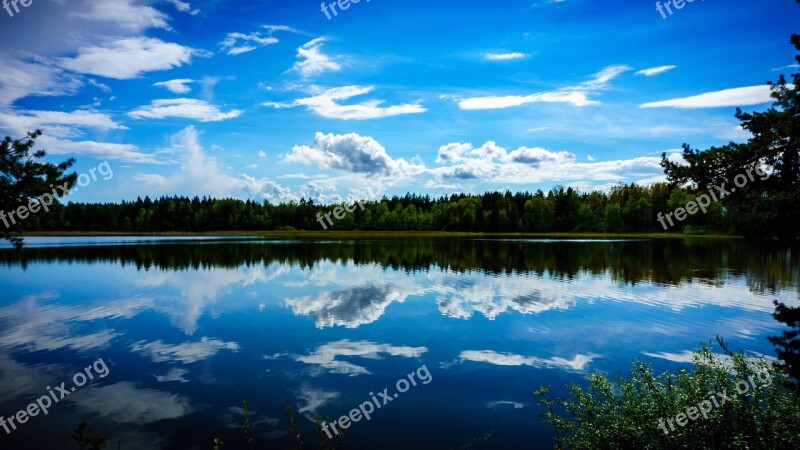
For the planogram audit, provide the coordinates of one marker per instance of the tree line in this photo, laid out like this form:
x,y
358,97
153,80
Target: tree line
x,y
626,208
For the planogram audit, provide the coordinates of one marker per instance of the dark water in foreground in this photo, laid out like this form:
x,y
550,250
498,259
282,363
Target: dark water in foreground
x,y
190,328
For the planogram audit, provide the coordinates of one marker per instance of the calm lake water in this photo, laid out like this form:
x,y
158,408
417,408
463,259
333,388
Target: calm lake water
x,y
188,328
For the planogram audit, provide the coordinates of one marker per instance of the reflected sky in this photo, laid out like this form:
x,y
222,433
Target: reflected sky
x,y
189,329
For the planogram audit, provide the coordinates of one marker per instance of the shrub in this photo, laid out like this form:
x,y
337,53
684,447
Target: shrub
x,y
628,412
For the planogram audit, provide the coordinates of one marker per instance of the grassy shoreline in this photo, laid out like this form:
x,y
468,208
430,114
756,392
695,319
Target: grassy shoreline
x,y
384,234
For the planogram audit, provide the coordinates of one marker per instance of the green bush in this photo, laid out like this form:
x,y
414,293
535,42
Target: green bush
x,y
632,413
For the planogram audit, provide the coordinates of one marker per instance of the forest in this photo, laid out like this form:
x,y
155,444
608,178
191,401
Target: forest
x,y
625,208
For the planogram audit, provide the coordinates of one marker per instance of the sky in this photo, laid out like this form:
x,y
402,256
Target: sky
x,y
283,100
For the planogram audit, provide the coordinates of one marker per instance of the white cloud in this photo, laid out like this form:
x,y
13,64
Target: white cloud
x,y
175,374
184,7
238,43
126,403
655,70
97,150
199,174
38,76
576,95
745,96
178,86
490,151
350,152
314,399
57,123
504,56
99,85
508,101
268,190
273,28
325,356
312,61
185,108
453,152
128,58
577,364
350,307
124,13
186,353
326,105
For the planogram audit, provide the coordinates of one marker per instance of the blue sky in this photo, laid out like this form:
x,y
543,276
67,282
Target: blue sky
x,y
272,100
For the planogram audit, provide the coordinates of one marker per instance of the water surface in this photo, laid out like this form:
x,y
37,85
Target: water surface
x,y
191,327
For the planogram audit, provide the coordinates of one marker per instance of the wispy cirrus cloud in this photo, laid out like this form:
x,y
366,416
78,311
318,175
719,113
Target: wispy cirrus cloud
x,y
128,58
311,60
126,14
326,355
655,71
745,96
238,43
575,95
504,56
178,86
326,104
577,364
185,108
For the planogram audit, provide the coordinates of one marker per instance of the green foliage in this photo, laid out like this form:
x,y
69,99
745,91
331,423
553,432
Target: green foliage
x,y
24,177
788,343
81,436
765,208
248,441
625,413
628,208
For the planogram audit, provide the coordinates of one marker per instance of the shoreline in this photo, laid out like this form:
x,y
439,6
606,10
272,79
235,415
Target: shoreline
x,y
378,234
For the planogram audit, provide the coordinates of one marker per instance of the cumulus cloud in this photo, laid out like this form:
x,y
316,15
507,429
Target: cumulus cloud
x,y
178,86
326,104
745,96
526,165
466,154
350,152
199,174
128,58
186,108
350,308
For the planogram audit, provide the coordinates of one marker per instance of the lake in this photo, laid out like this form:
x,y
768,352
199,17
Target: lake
x,y
188,328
